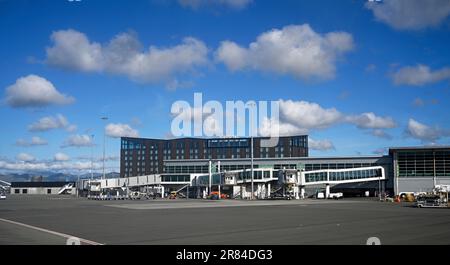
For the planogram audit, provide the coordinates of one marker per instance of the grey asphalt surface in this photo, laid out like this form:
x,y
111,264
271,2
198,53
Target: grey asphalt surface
x,y
184,222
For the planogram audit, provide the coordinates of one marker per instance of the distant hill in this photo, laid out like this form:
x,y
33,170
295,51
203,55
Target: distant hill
x,y
50,176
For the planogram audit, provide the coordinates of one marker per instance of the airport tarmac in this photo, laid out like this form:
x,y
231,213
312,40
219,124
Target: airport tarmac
x,y
53,219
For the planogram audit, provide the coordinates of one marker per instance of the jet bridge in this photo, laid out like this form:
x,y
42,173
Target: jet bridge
x,y
287,183
267,182
5,185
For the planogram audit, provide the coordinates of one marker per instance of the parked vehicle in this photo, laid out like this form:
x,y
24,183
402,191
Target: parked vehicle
x,y
336,195
432,200
173,195
215,195
320,195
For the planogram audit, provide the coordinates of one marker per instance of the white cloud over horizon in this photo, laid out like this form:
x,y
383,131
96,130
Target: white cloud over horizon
x,y
25,157
61,157
35,141
58,166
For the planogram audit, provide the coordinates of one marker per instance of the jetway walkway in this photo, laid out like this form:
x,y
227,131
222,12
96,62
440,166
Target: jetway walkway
x,y
5,184
266,180
290,183
66,188
114,183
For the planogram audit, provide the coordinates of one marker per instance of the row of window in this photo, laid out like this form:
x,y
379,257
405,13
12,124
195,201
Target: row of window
x,y
357,174
314,177
300,141
221,143
247,175
424,164
204,168
311,167
25,191
345,175
141,163
175,178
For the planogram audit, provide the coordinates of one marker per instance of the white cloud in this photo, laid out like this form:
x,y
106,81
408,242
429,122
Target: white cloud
x,y
424,132
272,127
235,4
302,117
35,140
420,75
78,140
295,50
308,115
381,134
61,157
369,120
117,130
371,68
24,157
418,102
135,121
60,166
124,55
320,145
410,14
99,158
51,122
72,50
34,91
380,151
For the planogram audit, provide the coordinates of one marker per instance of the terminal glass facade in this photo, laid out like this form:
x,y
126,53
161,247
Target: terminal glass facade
x,y
141,156
423,163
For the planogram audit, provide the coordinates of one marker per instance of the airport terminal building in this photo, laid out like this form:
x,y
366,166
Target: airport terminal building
x,y
420,168
178,162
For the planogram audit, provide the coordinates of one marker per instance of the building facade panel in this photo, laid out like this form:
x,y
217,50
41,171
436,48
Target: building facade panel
x,y
420,168
139,156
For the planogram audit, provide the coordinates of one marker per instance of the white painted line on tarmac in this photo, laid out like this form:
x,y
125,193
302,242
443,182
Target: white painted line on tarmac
x,y
89,242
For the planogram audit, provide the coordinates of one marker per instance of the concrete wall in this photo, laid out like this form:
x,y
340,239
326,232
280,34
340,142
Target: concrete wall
x,y
35,191
424,184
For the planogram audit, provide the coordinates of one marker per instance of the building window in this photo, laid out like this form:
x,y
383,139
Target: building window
x,y
49,191
16,191
24,191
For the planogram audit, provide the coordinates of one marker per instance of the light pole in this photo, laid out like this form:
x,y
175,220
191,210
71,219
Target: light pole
x,y
379,187
92,157
251,166
104,143
210,176
252,104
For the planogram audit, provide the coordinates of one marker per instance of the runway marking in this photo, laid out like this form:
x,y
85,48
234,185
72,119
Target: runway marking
x,y
89,242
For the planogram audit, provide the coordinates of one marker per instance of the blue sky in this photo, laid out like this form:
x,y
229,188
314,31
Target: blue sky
x,y
368,75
